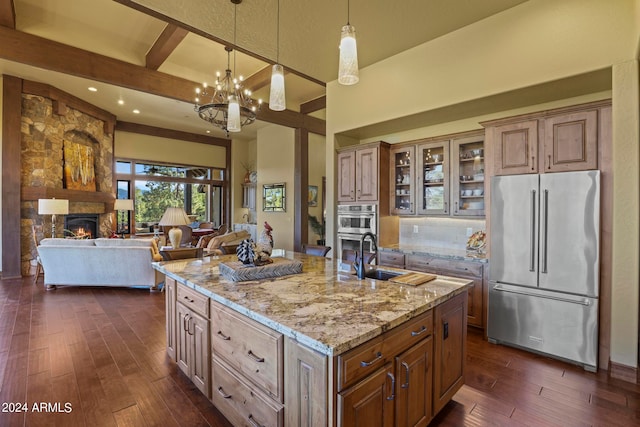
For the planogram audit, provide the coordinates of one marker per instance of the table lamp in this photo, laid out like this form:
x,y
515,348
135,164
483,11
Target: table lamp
x,y
121,205
53,207
174,217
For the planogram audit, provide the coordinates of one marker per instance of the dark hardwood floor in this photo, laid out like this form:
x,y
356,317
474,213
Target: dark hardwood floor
x,y
96,357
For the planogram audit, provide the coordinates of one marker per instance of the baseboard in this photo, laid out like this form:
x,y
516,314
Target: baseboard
x,y
623,372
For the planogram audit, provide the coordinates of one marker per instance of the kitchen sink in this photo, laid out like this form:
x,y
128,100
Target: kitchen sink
x,y
381,274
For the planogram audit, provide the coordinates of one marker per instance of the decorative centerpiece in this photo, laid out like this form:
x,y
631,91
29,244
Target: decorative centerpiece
x,y
255,262
477,242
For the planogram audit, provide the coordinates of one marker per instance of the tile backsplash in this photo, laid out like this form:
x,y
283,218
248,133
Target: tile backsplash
x,y
445,233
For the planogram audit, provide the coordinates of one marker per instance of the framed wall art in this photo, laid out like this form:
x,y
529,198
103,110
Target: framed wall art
x,y
273,198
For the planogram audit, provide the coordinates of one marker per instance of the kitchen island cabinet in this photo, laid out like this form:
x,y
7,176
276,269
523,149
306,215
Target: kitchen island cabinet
x,y
297,351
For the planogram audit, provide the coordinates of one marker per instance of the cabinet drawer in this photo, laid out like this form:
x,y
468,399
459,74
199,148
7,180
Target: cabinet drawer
x,y
253,349
420,263
443,266
404,336
392,259
359,362
193,300
240,402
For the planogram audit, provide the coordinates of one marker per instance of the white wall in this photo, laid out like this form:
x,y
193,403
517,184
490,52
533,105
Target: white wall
x,y
535,42
275,157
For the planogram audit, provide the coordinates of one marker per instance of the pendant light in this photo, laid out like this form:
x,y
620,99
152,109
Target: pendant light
x,y
348,67
276,96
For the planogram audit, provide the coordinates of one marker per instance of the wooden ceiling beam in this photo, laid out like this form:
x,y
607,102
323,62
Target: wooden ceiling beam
x,y
51,55
166,43
314,105
259,79
7,14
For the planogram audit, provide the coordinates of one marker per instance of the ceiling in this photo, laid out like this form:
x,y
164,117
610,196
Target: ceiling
x,y
309,33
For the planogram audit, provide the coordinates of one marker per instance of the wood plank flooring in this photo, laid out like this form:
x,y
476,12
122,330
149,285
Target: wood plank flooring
x,y
96,357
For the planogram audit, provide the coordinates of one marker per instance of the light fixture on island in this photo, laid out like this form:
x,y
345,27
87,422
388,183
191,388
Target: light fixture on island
x,y
225,104
348,66
277,95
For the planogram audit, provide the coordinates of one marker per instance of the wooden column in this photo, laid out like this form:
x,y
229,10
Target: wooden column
x,y
11,118
301,188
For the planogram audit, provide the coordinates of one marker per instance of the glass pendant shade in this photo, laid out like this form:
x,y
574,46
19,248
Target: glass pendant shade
x,y
276,96
233,118
348,68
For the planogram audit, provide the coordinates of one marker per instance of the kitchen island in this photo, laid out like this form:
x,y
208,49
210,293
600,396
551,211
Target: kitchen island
x,y
317,348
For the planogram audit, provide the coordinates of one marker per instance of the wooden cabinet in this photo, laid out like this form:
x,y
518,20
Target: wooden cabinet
x,y
389,378
402,194
170,315
192,336
445,176
450,336
559,140
247,369
363,173
457,268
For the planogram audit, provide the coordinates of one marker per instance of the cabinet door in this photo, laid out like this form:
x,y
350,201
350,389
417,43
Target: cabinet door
x,y
571,142
370,402
170,313
402,196
183,341
450,337
414,385
467,176
516,148
347,176
433,178
198,329
367,175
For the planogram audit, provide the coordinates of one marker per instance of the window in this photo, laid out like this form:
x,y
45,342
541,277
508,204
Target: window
x,y
157,186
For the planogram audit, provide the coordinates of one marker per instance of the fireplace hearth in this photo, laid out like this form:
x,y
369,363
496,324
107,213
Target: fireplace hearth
x,y
83,226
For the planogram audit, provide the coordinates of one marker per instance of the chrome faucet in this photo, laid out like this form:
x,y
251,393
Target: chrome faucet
x,y
359,262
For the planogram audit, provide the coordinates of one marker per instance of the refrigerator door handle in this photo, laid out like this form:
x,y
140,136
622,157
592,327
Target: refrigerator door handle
x,y
532,237
543,232
585,301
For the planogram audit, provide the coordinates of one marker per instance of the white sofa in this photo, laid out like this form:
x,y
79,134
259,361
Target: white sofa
x,y
99,262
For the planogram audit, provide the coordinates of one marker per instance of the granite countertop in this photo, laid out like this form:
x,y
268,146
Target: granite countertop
x,y
323,308
436,251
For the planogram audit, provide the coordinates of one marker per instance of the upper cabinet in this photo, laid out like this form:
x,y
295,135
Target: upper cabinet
x,y
439,176
552,141
363,172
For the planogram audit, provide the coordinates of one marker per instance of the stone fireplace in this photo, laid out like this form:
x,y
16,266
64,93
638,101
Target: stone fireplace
x,y
52,121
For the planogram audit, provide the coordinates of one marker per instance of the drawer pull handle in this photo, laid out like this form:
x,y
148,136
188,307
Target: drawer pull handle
x,y
253,422
254,357
223,394
364,364
405,365
188,299
224,337
421,331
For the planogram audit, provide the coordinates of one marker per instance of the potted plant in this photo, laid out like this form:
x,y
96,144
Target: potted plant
x,y
318,228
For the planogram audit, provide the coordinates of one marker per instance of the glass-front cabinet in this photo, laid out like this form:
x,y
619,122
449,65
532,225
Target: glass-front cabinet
x,y
432,192
402,180
468,176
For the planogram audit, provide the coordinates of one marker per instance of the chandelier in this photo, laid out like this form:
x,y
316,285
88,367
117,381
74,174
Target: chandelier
x,y
226,104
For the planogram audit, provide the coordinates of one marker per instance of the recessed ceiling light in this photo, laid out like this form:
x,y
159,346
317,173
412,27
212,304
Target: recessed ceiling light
x,y
92,89
120,102
136,111
208,131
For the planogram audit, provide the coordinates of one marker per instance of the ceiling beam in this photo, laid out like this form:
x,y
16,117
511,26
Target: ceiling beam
x,y
43,53
171,134
259,79
314,105
7,14
166,43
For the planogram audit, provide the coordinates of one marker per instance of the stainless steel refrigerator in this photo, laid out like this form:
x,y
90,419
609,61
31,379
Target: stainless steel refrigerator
x,y
544,270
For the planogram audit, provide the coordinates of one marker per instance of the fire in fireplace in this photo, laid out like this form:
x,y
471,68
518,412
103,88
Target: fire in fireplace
x,y
83,226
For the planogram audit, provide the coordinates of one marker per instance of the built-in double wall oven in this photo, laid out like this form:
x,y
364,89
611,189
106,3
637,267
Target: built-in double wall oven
x,y
353,222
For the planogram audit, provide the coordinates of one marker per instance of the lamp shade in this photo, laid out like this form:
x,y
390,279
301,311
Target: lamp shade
x,y
276,96
123,205
53,207
174,216
348,66
233,118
